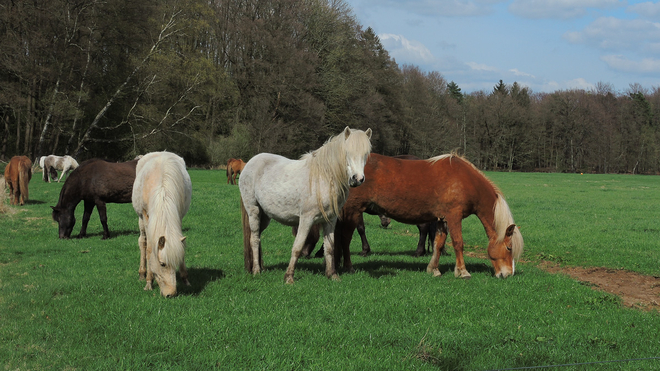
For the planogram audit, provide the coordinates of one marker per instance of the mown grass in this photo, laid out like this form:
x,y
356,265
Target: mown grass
x,y
77,304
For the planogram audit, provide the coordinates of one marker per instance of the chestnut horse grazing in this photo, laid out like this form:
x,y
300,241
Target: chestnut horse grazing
x,y
161,197
95,182
450,190
17,176
302,192
234,167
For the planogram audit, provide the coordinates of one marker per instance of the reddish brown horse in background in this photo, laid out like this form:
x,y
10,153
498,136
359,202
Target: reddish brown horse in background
x,y
17,176
446,188
234,167
95,182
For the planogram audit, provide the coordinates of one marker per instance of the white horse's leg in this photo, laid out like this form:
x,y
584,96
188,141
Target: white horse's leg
x,y
303,230
142,243
64,170
254,214
329,249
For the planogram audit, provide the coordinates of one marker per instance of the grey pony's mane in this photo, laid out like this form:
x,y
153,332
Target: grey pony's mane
x,y
328,164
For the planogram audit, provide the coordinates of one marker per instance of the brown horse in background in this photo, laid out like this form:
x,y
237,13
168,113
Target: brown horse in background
x,y
445,188
17,176
95,182
234,167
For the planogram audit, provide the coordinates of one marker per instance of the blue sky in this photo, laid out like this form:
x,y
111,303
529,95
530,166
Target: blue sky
x,y
546,45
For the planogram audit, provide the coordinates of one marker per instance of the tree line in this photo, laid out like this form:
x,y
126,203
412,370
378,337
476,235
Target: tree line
x,y
216,79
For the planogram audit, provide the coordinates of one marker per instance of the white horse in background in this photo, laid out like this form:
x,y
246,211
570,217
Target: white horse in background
x,y
161,197
301,193
51,164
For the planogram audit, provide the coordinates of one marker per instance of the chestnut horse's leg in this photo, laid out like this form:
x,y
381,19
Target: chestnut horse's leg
x,y
89,207
438,244
456,232
366,249
100,206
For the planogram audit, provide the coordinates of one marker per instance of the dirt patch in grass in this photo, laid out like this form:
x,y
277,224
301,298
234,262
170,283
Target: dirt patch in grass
x,y
636,290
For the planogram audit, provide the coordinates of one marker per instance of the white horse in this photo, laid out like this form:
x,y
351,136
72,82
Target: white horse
x,y
161,197
52,163
301,193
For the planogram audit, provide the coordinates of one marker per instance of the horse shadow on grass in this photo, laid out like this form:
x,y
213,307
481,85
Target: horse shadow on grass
x,y
113,234
199,278
35,202
379,268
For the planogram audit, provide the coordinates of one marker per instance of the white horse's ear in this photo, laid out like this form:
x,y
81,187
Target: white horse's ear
x,y
347,132
183,238
368,132
161,243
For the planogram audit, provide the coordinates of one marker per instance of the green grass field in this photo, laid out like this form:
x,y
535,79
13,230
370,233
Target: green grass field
x,y
78,305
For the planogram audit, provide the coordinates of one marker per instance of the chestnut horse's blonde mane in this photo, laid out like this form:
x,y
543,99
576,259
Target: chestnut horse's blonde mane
x,y
502,217
328,164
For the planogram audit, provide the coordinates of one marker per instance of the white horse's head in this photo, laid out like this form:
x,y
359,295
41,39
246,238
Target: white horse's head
x,y
163,266
358,146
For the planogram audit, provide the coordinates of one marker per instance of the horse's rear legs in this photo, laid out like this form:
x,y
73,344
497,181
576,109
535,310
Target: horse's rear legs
x,y
439,243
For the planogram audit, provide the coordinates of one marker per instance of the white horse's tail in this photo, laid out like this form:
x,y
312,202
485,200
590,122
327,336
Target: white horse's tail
x,y
502,218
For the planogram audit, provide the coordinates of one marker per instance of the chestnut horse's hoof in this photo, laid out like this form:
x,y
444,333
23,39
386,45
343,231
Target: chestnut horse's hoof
x,y
462,273
335,277
288,279
435,272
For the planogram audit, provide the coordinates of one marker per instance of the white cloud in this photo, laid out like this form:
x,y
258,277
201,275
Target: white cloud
x,y
646,10
408,51
517,72
562,9
608,33
622,64
481,67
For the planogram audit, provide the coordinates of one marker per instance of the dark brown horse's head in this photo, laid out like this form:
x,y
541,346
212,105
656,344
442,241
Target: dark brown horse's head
x,y
65,219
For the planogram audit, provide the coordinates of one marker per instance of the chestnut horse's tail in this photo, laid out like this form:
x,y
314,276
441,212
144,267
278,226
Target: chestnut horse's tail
x,y
247,247
24,175
502,220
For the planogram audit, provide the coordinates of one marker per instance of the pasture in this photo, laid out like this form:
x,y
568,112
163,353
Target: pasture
x,y
78,304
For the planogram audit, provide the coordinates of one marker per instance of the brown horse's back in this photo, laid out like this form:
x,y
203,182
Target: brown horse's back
x,y
17,177
405,187
97,179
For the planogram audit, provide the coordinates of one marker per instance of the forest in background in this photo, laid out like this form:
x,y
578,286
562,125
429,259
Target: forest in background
x,y
216,79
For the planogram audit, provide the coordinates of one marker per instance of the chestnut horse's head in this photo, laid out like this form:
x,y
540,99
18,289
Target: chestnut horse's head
x,y
65,219
501,253
507,246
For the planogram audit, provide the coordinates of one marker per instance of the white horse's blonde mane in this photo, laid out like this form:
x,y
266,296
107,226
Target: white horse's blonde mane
x,y
165,203
328,164
502,217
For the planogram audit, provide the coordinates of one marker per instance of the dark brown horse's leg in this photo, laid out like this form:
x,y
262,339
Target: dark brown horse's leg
x,y
100,206
343,235
456,232
366,249
421,244
89,207
439,243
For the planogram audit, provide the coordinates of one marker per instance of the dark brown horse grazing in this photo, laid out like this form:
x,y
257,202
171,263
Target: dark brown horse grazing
x,y
234,167
450,190
95,182
17,176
